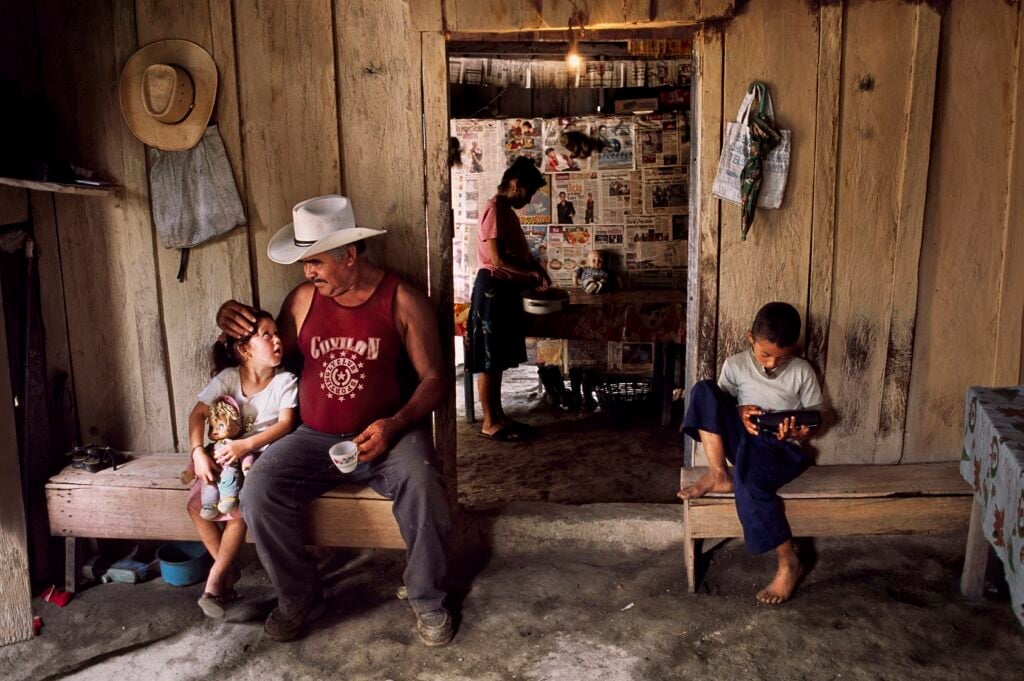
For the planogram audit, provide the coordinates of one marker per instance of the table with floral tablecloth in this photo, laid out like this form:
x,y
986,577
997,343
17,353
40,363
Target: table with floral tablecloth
x,y
993,462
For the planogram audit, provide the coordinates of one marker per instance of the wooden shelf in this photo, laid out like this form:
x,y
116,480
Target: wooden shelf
x,y
61,187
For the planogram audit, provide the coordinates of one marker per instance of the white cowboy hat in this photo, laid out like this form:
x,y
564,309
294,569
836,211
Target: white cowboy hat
x,y
318,224
167,91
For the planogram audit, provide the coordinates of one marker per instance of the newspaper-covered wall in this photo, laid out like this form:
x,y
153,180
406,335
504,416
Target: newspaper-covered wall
x,y
556,73
628,200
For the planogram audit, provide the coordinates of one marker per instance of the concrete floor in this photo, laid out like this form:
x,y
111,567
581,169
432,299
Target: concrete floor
x,y
872,608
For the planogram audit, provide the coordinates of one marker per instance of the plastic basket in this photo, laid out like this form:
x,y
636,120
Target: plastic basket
x,y
620,394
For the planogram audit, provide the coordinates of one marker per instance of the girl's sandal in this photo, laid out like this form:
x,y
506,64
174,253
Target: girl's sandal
x,y
212,605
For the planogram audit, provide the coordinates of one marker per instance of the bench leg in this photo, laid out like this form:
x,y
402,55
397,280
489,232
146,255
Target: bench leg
x,y
689,551
972,580
71,564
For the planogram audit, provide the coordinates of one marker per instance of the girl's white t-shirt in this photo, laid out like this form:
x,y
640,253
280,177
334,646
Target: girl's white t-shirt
x,y
262,409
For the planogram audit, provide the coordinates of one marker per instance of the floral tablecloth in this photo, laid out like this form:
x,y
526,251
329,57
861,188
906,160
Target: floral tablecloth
x,y
993,462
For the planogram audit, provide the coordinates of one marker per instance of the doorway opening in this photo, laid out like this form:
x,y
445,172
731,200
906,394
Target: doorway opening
x,y
611,138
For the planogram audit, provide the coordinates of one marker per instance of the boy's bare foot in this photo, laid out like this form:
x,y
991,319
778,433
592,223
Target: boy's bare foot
x,y
783,584
712,481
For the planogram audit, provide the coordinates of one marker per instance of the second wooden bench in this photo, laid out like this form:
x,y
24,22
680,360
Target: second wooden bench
x,y
842,500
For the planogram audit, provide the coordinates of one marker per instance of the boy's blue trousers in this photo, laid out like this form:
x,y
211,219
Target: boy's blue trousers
x,y
761,465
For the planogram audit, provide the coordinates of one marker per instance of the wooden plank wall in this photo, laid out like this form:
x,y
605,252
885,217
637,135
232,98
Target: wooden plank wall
x,y
522,15
107,251
972,246
872,253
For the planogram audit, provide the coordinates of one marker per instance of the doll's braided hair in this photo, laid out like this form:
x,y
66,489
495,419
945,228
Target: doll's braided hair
x,y
226,350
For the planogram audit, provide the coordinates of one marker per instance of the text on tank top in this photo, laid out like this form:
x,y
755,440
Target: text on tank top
x,y
350,362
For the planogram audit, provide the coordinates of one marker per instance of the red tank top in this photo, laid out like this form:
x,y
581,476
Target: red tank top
x,y
350,369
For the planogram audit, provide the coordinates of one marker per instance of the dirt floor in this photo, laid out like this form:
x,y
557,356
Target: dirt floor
x,y
554,608
879,608
576,457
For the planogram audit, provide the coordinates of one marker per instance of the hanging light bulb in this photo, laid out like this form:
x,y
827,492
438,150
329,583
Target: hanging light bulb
x,y
572,57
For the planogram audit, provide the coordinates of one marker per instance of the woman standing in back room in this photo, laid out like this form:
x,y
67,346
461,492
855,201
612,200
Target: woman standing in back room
x,y
496,313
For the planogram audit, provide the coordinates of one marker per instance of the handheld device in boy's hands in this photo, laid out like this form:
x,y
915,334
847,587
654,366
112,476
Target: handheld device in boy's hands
x,y
769,421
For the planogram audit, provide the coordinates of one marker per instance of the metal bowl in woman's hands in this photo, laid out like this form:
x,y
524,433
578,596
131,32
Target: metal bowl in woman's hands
x,y
546,301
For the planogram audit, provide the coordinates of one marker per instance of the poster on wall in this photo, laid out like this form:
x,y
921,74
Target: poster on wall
x,y
538,210
617,136
558,157
479,145
522,137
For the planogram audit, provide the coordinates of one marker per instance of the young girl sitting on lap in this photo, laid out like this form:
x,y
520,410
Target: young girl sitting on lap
x,y
247,370
766,377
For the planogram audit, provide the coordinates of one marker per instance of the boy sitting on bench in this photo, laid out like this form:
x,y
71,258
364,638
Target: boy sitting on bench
x,y
766,377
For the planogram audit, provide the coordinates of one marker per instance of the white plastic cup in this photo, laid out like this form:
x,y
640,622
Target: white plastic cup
x,y
345,456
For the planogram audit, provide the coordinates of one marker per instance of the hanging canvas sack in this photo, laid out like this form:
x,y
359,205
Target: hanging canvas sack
x,y
736,153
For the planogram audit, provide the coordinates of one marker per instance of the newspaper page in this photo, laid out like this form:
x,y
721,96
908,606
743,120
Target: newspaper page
x,y
551,74
636,192
575,197
537,238
508,73
464,261
568,246
617,135
610,241
631,357
479,145
538,210
661,72
665,190
471,192
557,158
660,141
647,228
614,199
601,74
522,137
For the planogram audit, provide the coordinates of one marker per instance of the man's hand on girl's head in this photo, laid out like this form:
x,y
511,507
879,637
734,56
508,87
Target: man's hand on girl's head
x,y
236,319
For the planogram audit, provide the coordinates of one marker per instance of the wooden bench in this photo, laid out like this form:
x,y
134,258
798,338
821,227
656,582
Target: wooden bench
x,y
145,499
833,501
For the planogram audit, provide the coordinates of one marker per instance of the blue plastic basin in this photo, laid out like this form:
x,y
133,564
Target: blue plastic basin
x,y
183,562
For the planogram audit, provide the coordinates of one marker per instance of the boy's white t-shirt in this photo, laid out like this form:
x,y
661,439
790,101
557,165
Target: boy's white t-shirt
x,y
794,385
263,408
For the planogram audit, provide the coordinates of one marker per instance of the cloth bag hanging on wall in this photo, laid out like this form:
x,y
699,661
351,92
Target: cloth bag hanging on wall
x,y
756,153
193,194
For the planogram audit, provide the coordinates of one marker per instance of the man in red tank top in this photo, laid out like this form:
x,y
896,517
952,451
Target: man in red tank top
x,y
350,323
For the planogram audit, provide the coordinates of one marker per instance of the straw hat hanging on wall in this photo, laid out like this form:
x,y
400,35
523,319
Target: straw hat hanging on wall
x,y
167,90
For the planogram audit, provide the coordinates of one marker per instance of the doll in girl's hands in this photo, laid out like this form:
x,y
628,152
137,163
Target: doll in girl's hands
x,y
224,423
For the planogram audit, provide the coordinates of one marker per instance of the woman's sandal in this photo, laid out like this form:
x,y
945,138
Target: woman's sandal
x,y
212,605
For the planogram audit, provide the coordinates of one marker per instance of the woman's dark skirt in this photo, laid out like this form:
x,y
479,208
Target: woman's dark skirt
x,y
496,320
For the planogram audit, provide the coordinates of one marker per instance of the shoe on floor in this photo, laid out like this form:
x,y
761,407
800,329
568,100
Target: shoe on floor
x,y
288,626
213,605
435,627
